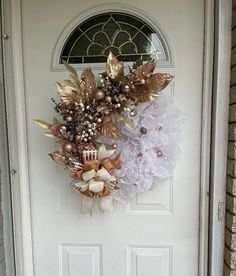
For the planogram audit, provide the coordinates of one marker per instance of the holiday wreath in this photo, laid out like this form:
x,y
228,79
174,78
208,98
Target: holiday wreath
x,y
117,132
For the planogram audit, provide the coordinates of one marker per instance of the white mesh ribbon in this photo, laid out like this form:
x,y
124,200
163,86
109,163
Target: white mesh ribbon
x,y
149,155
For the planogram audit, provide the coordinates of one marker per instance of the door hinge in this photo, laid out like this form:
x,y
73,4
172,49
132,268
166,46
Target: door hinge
x,y
221,210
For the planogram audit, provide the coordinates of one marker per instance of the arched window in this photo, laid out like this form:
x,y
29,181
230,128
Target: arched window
x,y
128,37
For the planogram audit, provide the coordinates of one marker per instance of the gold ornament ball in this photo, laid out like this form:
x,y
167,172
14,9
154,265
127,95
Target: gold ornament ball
x,y
99,94
68,147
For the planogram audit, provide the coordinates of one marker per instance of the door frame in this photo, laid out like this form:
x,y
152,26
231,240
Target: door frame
x,y
215,107
5,188
219,135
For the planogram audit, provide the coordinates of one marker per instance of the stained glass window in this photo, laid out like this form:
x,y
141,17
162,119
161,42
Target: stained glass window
x,y
128,37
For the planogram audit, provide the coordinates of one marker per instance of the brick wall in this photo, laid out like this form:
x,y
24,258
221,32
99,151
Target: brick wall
x,y
230,230
2,255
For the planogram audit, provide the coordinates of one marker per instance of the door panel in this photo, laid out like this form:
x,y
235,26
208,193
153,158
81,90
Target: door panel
x,y
157,233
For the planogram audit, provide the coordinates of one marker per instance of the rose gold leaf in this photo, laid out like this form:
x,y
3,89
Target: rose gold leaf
x,y
159,81
115,68
153,84
76,165
140,93
88,84
109,128
41,123
57,157
144,70
55,121
66,93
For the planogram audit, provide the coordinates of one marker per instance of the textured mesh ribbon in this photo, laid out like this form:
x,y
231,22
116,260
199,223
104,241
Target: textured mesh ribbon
x,y
151,155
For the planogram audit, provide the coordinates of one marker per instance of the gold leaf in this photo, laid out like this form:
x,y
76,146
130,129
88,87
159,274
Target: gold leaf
x,y
127,121
109,128
70,69
50,135
57,157
74,81
41,123
115,68
87,84
154,96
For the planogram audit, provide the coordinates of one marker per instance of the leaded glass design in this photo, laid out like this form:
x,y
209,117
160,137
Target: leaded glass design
x,y
128,37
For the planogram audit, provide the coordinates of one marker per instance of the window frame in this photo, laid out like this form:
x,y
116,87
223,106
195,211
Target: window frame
x,y
85,15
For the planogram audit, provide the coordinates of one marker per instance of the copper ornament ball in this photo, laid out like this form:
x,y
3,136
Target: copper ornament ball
x,y
108,99
152,172
77,137
140,156
99,94
67,147
143,130
114,145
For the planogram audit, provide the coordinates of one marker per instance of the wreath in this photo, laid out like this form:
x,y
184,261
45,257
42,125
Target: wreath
x,y
117,132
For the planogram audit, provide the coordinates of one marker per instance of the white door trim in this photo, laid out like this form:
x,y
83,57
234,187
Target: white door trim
x,y
206,136
18,140
17,133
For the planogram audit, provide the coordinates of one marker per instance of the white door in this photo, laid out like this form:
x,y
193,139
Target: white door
x,y
156,234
